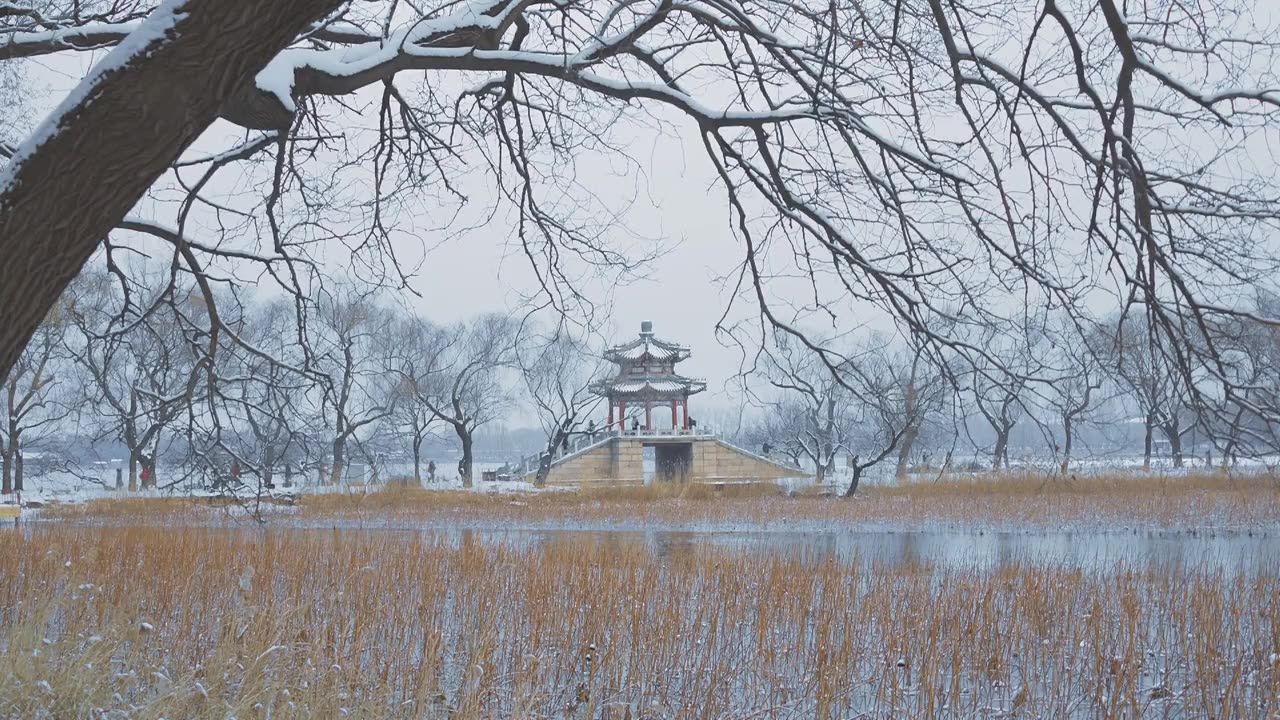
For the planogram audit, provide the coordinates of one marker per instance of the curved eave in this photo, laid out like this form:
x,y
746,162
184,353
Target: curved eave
x,y
641,387
652,349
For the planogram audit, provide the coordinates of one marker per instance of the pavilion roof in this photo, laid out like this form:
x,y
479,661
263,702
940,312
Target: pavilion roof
x,y
656,385
646,345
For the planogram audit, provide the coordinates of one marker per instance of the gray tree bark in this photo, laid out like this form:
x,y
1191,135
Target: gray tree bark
x,y
6,469
338,470
64,196
1001,459
856,479
1067,440
1149,430
465,465
904,451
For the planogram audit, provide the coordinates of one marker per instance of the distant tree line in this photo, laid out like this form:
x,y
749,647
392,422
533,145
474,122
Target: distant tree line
x,y
312,383
873,398
282,385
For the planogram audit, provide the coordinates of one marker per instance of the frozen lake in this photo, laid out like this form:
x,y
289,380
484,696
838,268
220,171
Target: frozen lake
x,y
1248,553
660,623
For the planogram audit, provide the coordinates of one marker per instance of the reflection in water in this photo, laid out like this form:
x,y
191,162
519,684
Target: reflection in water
x,y
937,549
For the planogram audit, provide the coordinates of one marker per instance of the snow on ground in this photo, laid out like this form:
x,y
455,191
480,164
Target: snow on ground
x,y
98,479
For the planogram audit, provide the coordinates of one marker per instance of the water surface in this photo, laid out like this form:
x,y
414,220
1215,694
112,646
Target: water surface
x,y
941,549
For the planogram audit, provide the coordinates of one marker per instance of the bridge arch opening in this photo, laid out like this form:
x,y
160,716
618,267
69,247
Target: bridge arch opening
x,y
673,461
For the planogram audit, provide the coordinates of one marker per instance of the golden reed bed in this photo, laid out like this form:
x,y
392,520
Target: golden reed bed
x,y
148,623
1191,503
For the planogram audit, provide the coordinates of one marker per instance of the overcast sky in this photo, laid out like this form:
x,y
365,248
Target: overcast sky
x,y
673,205
672,197
681,294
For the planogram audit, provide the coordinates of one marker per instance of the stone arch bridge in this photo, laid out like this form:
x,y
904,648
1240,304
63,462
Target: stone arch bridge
x,y
680,455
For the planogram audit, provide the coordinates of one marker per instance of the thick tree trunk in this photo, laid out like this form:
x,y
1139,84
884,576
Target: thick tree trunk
x,y
417,460
17,470
1233,438
820,473
1175,444
904,451
339,468
1067,436
91,162
828,435
544,470
6,458
464,467
1146,446
544,463
855,480
1001,459
133,472
268,467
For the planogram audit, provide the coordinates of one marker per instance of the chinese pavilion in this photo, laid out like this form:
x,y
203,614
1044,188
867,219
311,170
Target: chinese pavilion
x,y
647,376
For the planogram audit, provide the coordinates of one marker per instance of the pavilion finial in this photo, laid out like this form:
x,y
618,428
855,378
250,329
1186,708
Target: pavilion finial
x,y
646,329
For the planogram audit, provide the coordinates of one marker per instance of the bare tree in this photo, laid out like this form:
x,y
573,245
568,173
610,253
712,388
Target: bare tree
x,y
35,398
135,364
347,341
1249,407
812,405
924,387
558,369
803,434
413,420
416,362
177,68
888,410
873,403
1154,379
998,382
915,158
261,397
470,392
771,430
1072,385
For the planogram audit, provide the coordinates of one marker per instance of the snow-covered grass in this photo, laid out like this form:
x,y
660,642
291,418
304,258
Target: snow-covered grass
x,y
144,623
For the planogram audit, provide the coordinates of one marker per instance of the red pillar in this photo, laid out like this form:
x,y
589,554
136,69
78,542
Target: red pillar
x,y
622,414
686,413
609,425
648,415
675,421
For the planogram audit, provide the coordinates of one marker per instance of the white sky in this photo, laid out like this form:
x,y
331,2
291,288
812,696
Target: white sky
x,y
675,200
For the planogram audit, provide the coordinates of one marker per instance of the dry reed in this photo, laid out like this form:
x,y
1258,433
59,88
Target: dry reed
x,y
144,623
1205,501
